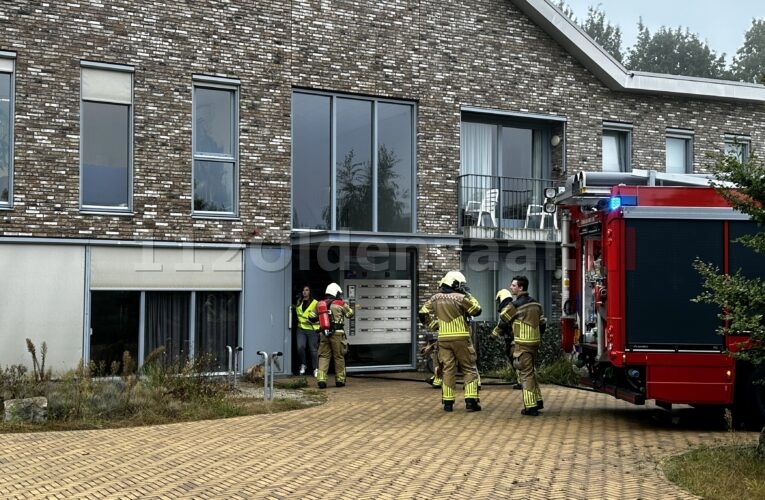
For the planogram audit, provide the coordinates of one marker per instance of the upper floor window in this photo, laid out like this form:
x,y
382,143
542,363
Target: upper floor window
x,y
6,129
505,164
738,146
106,137
617,147
352,163
215,143
679,151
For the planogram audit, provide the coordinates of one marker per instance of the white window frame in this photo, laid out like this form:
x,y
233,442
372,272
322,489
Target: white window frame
x,y
684,135
623,134
230,85
8,66
737,145
107,83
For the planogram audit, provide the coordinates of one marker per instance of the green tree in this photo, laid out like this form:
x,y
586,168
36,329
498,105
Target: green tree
x,y
608,36
598,28
354,194
674,52
749,61
563,6
392,211
741,294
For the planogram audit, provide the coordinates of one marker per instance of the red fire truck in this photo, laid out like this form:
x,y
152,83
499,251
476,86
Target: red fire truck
x,y
629,241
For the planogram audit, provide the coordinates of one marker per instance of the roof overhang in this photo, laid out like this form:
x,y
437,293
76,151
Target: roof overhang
x,y
388,240
616,77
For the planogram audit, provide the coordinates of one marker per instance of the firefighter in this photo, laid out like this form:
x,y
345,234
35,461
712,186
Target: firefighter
x,y
526,321
503,331
333,343
448,313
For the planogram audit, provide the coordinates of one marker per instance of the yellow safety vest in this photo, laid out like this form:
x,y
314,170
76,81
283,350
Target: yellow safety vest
x,y
303,316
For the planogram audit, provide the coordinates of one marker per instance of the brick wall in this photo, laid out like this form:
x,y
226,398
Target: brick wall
x,y
441,54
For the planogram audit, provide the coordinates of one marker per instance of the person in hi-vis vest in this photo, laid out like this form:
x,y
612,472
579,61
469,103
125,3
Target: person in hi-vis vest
x,y
307,331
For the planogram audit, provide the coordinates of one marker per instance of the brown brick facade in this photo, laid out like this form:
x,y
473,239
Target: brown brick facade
x,y
442,55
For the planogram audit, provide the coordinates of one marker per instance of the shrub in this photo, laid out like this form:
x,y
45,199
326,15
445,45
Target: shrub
x,y
491,350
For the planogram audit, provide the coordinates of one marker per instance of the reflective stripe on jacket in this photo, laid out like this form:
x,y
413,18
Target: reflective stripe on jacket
x,y
306,315
339,310
524,314
450,310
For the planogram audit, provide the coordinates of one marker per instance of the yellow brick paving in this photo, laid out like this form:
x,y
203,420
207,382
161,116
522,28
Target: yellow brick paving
x,y
375,439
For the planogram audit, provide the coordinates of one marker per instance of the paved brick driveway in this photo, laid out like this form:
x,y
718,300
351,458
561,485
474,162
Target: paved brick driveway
x,y
375,438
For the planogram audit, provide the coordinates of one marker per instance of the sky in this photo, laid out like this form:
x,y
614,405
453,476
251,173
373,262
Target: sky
x,y
722,24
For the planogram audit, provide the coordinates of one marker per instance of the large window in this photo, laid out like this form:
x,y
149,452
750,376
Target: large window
x,y
215,140
679,151
738,146
352,163
505,161
487,271
617,147
186,324
6,131
106,116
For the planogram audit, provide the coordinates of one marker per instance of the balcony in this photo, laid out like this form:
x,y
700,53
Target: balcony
x,y
505,208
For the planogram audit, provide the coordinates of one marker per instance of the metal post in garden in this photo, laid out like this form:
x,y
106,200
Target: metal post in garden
x,y
266,362
274,355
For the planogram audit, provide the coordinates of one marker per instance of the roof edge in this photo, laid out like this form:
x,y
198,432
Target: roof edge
x,y
616,77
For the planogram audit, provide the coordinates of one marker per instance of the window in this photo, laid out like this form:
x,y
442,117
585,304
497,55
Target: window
x,y
617,147
106,121
507,155
352,163
168,322
215,143
738,146
679,151
488,271
6,129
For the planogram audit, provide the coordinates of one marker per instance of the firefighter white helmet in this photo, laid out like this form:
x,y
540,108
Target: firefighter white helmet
x,y
502,295
334,290
454,279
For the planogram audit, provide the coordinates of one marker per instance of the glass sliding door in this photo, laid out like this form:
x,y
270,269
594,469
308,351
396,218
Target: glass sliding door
x,y
167,324
216,326
114,329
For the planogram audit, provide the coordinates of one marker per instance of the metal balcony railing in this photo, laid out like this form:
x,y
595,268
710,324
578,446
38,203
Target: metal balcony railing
x,y
492,207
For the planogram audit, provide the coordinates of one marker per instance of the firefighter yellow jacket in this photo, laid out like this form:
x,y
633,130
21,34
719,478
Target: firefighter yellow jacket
x,y
524,315
448,314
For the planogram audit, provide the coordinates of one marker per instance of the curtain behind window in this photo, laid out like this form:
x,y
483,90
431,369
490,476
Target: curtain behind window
x,y
217,325
478,144
167,324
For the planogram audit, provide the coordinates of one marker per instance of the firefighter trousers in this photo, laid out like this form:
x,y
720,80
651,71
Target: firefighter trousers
x,y
524,360
450,352
332,348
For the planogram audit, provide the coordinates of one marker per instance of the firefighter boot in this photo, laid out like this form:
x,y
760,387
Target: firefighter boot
x,y
448,405
322,385
471,404
530,412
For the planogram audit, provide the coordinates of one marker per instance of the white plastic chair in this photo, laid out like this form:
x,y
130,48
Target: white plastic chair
x,y
539,211
487,206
